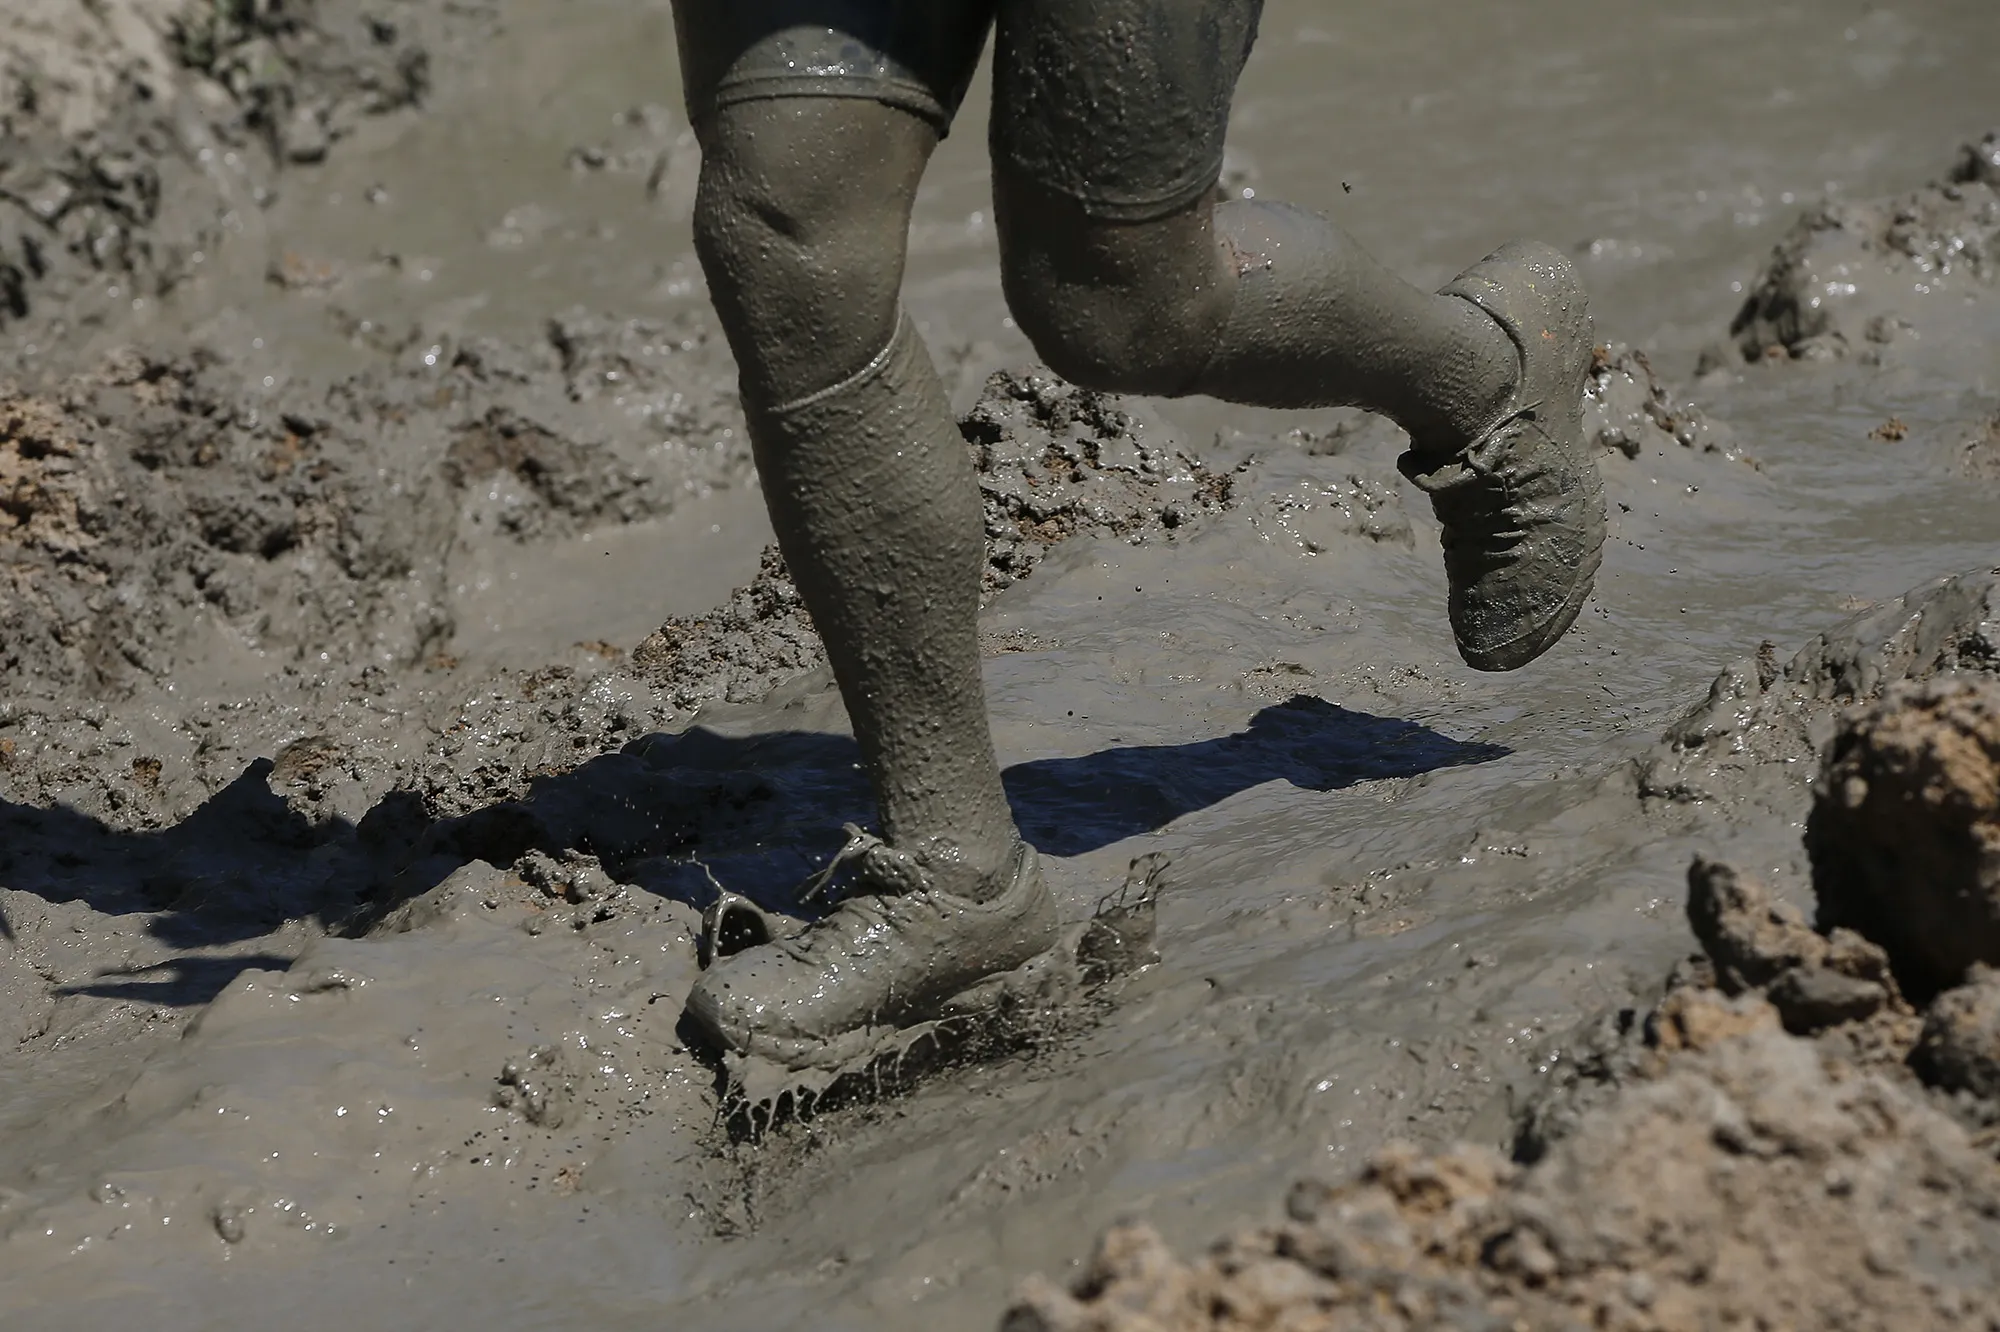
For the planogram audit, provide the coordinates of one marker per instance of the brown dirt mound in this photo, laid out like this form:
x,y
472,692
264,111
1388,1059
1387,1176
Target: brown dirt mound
x,y
1905,830
1754,1185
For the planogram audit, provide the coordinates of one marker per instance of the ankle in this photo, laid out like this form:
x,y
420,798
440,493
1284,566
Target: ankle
x,y
977,872
1477,386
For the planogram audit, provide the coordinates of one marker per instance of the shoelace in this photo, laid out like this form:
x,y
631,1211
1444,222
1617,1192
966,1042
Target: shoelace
x,y
896,879
877,908
859,843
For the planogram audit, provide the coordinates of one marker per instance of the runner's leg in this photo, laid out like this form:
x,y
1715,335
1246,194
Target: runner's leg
x,y
800,223
1121,267
816,120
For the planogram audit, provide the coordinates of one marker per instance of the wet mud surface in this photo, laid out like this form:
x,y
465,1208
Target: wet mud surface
x,y
395,668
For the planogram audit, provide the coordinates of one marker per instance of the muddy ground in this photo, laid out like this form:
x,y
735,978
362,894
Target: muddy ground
x,y
392,673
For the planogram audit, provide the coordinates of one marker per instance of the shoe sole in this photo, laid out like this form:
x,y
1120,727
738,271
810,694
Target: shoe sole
x,y
1513,655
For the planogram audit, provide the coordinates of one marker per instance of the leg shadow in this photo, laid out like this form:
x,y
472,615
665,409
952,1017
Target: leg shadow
x,y
1069,806
691,814
683,815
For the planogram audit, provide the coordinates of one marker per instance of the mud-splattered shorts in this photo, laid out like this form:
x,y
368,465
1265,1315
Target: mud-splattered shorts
x,y
1119,104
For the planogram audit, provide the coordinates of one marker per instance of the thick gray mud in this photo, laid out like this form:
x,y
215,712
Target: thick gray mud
x,y
391,672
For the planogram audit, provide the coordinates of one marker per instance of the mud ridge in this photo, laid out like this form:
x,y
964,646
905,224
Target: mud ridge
x,y
155,491
1856,279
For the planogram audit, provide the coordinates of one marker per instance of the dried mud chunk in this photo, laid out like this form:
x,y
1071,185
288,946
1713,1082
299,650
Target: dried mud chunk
x,y
1153,1289
1960,1046
1750,936
47,491
1811,999
1697,1020
1756,941
1905,829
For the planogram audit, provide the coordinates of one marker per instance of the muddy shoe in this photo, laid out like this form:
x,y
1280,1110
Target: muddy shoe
x,y
896,952
1522,506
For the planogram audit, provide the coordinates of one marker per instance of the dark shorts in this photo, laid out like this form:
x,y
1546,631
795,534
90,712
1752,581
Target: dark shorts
x,y
1121,105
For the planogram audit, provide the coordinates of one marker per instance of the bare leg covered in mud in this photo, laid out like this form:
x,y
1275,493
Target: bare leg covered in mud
x,y
1127,276
800,225
1273,306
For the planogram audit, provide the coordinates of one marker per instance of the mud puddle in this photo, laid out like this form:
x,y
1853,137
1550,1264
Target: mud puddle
x,y
346,985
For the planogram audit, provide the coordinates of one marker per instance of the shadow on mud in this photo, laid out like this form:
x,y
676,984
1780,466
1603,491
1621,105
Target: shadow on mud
x,y
179,982
682,815
1069,806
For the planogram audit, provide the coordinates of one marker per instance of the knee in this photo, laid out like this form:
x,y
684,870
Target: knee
x,y
799,224
763,234
1120,308
756,223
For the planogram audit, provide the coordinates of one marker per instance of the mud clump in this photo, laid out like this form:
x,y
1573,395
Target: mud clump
x,y
1905,830
1854,278
1763,723
1629,408
1055,460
